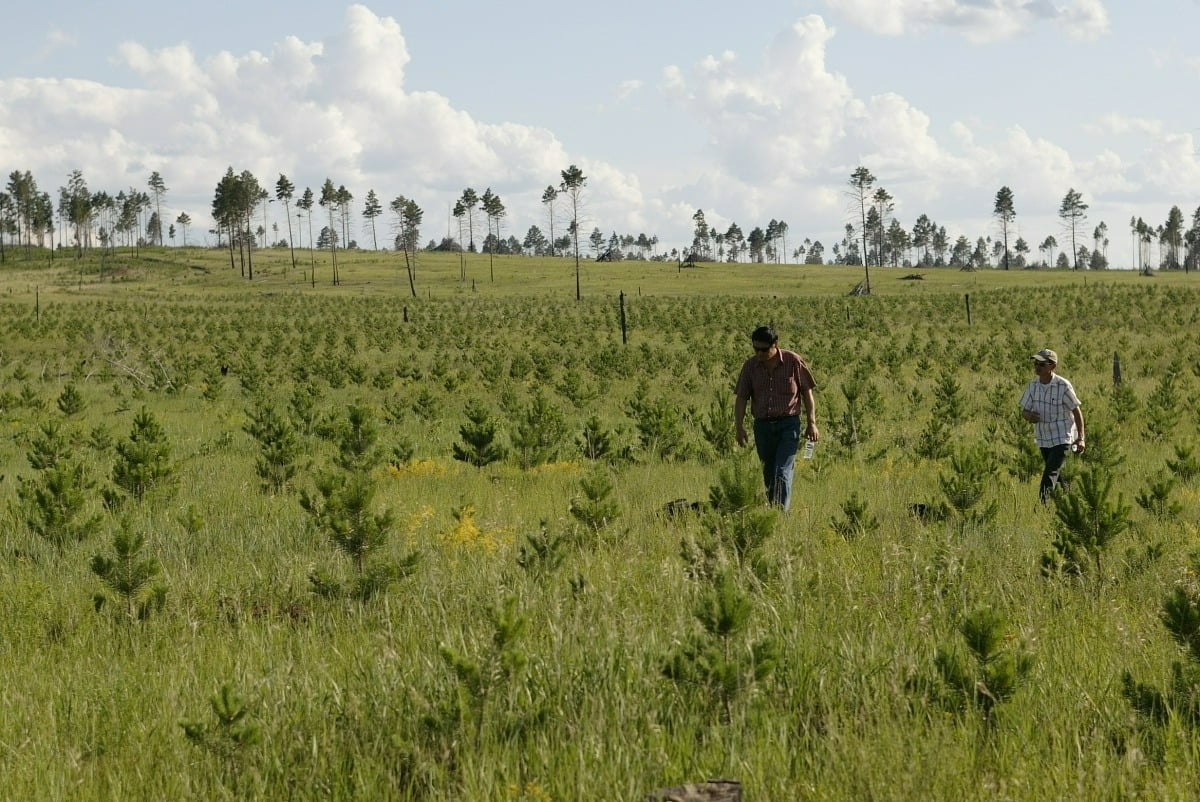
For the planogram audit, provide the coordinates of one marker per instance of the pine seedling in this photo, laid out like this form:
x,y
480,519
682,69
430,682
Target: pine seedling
x,y
1180,701
854,521
971,472
854,429
738,487
279,447
480,679
990,673
402,452
1162,407
1088,518
712,661
737,525
342,511
230,737
934,440
540,432
1027,461
1156,497
480,444
30,399
1181,616
356,439
742,537
596,442
143,461
129,577
542,552
70,401
951,405
715,425
1123,403
55,503
214,382
658,422
576,389
597,508
303,406
1186,465
48,447
1103,445
374,581
191,520
100,439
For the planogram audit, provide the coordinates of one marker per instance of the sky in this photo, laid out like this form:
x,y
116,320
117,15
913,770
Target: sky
x,y
748,113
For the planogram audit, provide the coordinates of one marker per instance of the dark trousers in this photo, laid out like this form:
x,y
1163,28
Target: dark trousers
x,y
777,442
1054,456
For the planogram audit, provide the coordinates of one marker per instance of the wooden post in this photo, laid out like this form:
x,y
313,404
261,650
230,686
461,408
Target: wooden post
x,y
711,791
968,308
37,303
1116,370
624,336
406,314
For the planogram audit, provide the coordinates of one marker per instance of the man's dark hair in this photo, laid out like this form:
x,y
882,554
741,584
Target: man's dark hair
x,y
765,334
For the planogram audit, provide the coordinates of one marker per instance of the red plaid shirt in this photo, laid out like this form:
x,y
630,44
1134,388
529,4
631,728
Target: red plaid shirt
x,y
774,388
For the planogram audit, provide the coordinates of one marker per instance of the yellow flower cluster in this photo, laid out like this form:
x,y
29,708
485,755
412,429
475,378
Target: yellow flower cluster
x,y
418,467
467,534
416,519
532,792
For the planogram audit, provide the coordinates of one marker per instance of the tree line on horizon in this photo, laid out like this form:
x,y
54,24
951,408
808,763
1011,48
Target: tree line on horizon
x,y
874,236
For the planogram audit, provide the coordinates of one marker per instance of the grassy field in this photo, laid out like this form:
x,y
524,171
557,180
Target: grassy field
x,y
306,595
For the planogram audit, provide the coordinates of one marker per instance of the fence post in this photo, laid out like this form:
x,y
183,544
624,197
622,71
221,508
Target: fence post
x,y
968,296
406,314
1116,370
624,336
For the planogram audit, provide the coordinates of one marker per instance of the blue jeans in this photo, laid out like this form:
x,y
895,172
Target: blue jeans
x,y
777,442
1054,456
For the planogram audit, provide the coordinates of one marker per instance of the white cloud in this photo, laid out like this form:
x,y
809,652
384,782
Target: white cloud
x,y
784,138
783,133
55,40
977,20
776,123
627,88
335,108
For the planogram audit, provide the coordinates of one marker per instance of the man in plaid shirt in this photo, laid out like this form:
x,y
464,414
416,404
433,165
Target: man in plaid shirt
x,y
775,381
1050,403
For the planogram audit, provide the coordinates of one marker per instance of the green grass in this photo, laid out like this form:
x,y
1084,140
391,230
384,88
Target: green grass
x,y
346,694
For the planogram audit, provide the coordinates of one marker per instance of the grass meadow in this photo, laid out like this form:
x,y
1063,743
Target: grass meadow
x,y
240,559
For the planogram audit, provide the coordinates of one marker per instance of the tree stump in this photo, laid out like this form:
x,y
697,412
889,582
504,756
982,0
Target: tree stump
x,y
711,791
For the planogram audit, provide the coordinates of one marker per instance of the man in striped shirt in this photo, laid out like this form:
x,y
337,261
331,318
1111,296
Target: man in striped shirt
x,y
775,381
1050,403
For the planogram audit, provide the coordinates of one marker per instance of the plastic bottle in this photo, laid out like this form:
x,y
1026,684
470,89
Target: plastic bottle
x,y
809,447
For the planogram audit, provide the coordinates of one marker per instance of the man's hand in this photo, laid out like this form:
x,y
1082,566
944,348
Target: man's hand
x,y
741,435
811,432
1031,416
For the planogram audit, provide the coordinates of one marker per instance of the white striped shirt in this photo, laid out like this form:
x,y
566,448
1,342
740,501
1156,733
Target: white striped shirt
x,y
1053,402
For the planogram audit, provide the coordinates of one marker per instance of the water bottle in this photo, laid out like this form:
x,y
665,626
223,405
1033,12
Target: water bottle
x,y
809,447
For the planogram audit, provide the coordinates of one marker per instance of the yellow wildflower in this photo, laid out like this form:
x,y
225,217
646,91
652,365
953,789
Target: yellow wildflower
x,y
418,467
466,533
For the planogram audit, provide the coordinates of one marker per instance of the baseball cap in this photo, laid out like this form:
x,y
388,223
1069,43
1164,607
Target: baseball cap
x,y
1046,355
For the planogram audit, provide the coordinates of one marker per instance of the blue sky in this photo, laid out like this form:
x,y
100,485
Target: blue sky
x,y
748,113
